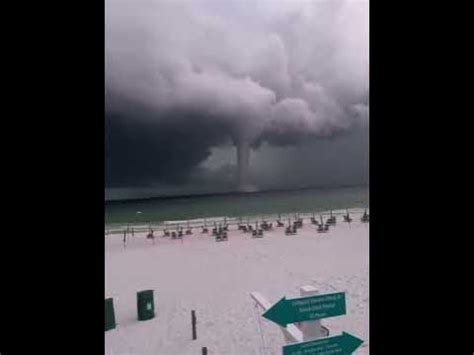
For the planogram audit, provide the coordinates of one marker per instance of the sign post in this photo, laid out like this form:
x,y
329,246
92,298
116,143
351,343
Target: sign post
x,y
193,324
311,330
307,308
344,344
310,309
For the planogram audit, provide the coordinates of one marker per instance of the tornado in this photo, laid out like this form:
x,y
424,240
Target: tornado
x,y
243,162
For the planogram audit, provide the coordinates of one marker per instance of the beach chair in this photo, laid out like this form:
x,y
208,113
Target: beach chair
x,y
321,228
224,236
280,223
347,218
331,220
254,233
218,238
180,234
300,222
365,217
151,236
189,232
260,233
326,227
173,235
166,234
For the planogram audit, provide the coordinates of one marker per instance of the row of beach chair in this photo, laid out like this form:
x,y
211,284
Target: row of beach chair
x,y
220,233
176,234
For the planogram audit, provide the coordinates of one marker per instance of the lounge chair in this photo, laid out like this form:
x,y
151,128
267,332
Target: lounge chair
x,y
365,218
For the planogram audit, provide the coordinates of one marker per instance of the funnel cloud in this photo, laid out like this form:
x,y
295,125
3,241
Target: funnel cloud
x,y
185,79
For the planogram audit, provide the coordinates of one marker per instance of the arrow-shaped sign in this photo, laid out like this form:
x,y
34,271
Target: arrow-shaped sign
x,y
344,344
307,308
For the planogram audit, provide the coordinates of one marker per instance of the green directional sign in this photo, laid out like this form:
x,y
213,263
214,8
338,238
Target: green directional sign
x,y
307,308
344,344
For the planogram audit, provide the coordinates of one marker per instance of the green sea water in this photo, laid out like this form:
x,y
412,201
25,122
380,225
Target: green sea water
x,y
235,205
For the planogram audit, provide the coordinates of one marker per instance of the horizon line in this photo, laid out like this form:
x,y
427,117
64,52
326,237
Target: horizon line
x,y
227,193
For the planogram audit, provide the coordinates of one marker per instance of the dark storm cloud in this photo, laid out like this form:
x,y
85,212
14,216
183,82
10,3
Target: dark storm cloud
x,y
185,76
144,150
322,162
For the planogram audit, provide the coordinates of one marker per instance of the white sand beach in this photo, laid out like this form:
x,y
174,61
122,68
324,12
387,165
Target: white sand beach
x,y
216,278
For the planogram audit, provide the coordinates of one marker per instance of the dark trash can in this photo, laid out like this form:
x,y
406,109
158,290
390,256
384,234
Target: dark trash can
x,y
145,305
109,314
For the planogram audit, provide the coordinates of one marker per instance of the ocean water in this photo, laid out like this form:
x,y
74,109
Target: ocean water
x,y
235,205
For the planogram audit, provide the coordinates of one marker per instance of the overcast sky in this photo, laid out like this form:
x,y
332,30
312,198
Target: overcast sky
x,y
187,80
